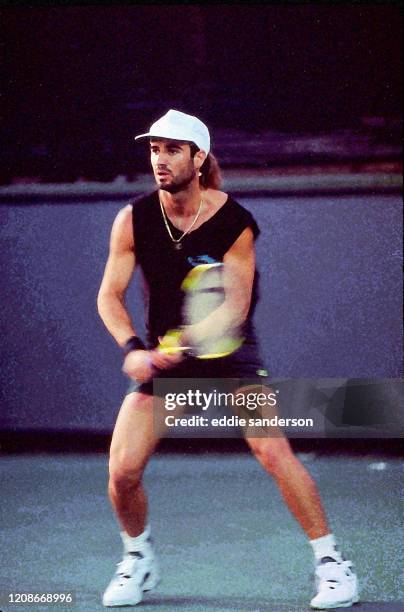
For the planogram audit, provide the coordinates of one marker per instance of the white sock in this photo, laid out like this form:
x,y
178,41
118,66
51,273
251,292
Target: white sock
x,y
137,543
326,546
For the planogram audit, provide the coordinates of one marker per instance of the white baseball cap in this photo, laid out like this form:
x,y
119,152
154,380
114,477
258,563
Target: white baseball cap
x,y
176,125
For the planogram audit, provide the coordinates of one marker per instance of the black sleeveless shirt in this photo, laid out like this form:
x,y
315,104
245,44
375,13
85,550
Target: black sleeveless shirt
x,y
164,268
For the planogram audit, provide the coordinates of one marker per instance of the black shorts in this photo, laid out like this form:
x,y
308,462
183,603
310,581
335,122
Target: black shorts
x,y
244,365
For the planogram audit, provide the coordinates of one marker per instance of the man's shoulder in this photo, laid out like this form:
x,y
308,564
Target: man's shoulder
x,y
240,217
145,210
222,197
236,206
142,200
216,199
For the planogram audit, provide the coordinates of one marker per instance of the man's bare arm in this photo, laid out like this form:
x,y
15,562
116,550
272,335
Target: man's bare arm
x,y
119,270
117,276
239,269
239,275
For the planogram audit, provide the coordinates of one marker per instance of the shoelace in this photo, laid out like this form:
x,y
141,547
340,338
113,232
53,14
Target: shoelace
x,y
127,566
334,571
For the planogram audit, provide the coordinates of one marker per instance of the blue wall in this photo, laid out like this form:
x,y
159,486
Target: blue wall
x,y
330,304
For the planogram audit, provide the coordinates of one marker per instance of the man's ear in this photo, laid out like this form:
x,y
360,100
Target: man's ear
x,y
199,158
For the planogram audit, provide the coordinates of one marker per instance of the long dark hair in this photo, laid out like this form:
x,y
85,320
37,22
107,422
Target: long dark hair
x,y
211,176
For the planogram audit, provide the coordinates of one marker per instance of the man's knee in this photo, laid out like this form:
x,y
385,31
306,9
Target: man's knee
x,y
124,475
272,453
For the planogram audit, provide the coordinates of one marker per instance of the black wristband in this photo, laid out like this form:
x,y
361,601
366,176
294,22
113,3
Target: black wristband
x,y
133,344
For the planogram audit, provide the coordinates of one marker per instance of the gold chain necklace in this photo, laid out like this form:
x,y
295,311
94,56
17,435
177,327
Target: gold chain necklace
x,y
177,241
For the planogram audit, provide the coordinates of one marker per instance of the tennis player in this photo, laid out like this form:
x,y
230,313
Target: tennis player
x,y
185,222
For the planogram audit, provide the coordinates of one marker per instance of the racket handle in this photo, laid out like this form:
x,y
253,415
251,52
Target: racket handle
x,y
170,344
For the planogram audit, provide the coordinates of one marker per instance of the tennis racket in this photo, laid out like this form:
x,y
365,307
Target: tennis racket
x,y
204,292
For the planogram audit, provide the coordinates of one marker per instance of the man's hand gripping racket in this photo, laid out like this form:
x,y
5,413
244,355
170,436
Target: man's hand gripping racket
x,y
208,330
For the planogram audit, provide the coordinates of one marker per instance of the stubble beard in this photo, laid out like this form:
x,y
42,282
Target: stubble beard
x,y
179,184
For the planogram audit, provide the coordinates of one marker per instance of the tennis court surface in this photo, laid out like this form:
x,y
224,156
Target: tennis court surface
x,y
223,535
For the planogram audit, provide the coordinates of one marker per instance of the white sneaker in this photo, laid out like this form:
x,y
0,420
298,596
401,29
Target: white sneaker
x,y
136,573
336,583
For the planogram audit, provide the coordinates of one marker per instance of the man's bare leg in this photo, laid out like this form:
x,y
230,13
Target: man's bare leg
x,y
295,484
273,451
336,581
133,442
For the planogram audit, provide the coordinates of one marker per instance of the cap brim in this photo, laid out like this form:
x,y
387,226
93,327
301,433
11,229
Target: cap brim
x,y
165,136
142,136
170,137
